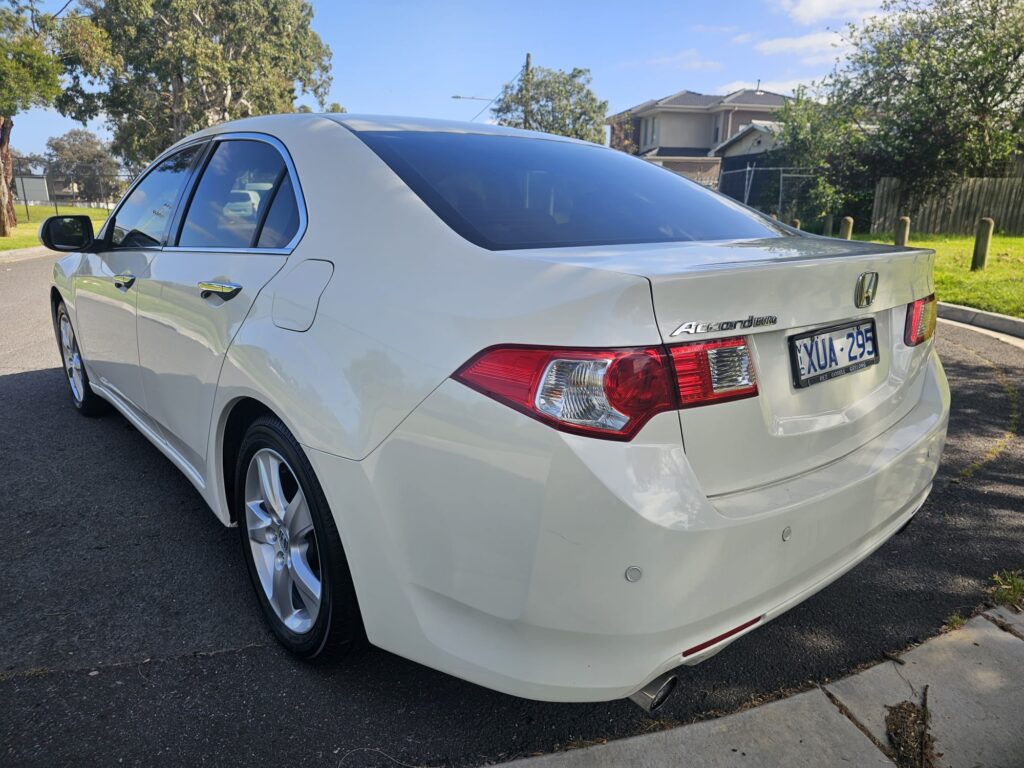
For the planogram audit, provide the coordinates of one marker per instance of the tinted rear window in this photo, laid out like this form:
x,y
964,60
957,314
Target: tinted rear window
x,y
504,192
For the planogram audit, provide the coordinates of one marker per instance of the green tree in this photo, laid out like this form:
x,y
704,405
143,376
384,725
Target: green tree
x,y
940,87
81,159
553,101
33,45
29,77
190,64
828,140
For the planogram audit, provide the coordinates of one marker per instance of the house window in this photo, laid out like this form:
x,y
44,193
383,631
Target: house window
x,y
718,129
654,131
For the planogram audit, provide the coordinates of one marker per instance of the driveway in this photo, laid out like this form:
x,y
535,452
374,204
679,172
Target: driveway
x,y
130,635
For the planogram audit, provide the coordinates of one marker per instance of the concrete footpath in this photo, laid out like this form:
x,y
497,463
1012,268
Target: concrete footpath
x,y
975,702
21,254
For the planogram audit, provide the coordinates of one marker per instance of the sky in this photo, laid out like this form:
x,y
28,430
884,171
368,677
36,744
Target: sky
x,y
398,57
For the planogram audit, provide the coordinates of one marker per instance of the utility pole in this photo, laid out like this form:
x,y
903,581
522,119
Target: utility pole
x,y
527,83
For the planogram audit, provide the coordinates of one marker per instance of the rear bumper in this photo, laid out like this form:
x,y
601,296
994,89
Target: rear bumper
x,y
491,547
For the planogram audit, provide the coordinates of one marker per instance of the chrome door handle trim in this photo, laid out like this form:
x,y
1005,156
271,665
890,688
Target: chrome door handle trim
x,y
224,290
124,281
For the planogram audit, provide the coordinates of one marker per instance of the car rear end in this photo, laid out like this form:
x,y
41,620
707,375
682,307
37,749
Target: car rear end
x,y
570,520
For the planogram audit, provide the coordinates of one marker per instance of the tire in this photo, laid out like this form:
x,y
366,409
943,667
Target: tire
x,y
288,552
85,400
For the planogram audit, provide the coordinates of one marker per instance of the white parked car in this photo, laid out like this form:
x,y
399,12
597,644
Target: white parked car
x,y
530,411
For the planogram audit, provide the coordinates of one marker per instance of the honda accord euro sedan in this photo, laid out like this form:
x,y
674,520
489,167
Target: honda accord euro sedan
x,y
524,409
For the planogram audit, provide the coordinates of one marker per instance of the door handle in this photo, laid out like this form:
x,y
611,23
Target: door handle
x,y
124,281
225,290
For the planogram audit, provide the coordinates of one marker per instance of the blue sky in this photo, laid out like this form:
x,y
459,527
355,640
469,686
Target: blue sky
x,y
409,58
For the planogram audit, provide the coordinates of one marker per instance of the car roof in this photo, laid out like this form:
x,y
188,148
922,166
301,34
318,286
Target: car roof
x,y
368,123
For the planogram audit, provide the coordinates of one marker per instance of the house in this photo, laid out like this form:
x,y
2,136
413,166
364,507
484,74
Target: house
x,y
683,131
741,155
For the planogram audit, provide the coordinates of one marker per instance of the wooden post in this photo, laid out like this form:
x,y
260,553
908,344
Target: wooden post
x,y
796,223
827,231
982,241
903,231
846,228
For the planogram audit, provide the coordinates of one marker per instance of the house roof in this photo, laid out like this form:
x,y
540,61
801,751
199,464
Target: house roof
x,y
746,97
675,152
768,127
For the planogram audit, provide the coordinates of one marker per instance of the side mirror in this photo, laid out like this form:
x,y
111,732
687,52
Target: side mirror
x,y
66,233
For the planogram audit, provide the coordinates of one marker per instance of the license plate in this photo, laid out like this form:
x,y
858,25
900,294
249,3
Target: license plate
x,y
828,353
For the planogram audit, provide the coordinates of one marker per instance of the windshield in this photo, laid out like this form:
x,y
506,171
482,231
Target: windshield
x,y
510,192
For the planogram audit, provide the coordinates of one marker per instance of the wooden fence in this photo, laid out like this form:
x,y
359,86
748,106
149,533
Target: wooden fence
x,y
957,212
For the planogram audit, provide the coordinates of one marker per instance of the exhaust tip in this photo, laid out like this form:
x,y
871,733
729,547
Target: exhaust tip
x,y
653,696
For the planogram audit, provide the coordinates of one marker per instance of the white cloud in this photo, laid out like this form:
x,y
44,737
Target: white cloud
x,y
743,37
814,48
689,58
784,87
807,12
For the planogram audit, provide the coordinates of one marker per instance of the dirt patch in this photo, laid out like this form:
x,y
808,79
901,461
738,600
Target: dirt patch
x,y
906,725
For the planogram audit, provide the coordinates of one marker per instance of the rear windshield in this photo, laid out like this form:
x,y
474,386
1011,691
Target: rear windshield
x,y
505,192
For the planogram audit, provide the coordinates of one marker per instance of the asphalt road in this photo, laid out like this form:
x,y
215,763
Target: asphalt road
x,y
129,635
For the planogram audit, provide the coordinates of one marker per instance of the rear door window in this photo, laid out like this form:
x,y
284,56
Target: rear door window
x,y
233,196
504,192
282,220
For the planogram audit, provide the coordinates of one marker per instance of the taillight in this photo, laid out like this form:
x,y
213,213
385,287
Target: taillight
x,y
714,371
920,321
602,393
610,393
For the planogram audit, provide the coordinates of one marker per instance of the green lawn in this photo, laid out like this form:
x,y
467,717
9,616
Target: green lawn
x,y
998,288
26,233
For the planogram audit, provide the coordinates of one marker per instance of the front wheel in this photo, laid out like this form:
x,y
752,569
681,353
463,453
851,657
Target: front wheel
x,y
292,548
86,401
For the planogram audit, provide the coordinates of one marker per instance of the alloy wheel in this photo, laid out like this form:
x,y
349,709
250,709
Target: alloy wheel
x,y
72,358
283,540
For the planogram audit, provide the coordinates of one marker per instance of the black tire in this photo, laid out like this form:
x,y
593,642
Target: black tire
x,y
87,402
338,630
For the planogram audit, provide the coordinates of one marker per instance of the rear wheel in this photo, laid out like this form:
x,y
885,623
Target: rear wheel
x,y
86,401
292,548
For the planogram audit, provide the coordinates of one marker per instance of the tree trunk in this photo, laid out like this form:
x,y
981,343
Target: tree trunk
x,y
8,218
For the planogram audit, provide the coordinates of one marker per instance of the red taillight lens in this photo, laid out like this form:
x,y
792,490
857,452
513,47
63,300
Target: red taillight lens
x,y
601,393
920,321
611,393
714,371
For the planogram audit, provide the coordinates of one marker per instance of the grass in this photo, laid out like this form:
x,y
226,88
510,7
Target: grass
x,y
26,233
1008,588
954,622
997,288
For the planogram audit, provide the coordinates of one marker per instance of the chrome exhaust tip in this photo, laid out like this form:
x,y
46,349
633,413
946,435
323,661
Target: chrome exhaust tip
x,y
652,696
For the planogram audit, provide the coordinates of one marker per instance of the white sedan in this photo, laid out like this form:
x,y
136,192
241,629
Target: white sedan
x,y
523,409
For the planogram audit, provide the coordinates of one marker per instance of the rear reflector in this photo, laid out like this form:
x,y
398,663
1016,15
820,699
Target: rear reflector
x,y
610,393
920,321
714,371
720,638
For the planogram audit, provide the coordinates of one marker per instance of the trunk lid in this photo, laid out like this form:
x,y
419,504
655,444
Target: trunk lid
x,y
803,283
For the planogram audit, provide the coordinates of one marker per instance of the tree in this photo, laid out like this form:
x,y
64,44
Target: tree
x,y
553,101
829,140
81,158
32,44
940,88
623,129
190,64
29,77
